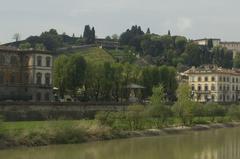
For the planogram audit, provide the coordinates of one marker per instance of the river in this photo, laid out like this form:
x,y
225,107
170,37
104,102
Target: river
x,y
214,144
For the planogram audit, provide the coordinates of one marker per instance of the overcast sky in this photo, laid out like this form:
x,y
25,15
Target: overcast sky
x,y
192,18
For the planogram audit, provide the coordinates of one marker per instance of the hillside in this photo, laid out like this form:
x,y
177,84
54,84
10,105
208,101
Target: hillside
x,y
93,54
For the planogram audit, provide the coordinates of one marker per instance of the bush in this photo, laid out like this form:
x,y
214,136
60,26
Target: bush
x,y
234,112
69,135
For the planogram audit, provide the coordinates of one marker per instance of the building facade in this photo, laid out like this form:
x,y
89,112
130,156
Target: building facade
x,y
25,75
211,83
233,46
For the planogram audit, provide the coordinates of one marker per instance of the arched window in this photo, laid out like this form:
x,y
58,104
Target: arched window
x,y
47,97
47,78
48,61
2,60
39,78
38,96
13,60
1,77
39,61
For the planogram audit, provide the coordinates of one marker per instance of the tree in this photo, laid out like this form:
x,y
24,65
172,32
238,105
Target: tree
x,y
51,39
24,46
17,37
184,107
76,70
236,61
60,74
115,37
39,46
148,31
89,34
158,108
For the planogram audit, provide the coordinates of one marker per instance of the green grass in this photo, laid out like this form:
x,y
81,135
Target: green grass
x,y
37,125
95,54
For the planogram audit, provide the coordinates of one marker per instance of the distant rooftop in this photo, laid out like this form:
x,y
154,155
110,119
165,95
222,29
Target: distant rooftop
x,y
210,69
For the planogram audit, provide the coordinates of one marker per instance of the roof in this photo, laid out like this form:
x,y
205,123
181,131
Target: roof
x,y
15,50
135,86
207,39
212,69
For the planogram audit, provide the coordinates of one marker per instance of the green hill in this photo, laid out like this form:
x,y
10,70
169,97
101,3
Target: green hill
x,y
93,54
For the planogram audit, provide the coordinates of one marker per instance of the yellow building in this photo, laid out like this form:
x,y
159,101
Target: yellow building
x,y
212,83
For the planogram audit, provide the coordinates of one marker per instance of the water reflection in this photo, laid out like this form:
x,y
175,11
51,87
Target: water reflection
x,y
217,144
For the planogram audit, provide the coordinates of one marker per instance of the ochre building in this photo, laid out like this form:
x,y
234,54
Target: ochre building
x,y
214,84
25,75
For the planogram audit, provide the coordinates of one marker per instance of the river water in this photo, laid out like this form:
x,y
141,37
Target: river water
x,y
214,144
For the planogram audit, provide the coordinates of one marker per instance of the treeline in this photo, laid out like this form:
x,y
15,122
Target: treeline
x,y
160,114
52,40
174,50
105,81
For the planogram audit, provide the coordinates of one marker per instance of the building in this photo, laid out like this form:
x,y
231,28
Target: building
x,y
208,42
233,46
25,75
211,83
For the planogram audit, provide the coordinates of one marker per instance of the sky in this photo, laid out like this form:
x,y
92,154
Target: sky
x,y
191,18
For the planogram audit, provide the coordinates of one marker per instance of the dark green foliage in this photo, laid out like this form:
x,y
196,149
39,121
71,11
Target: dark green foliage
x,y
236,61
51,40
132,37
76,70
89,35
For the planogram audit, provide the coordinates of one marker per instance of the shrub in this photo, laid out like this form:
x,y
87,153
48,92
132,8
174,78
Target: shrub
x,y
234,112
69,135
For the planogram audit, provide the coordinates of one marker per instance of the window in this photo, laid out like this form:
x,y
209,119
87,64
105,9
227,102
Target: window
x,y
206,87
213,79
193,87
13,78
13,60
46,97
213,98
206,79
233,88
213,88
39,61
233,80
227,87
206,97
199,88
48,61
26,60
227,79
220,78
237,88
1,78
2,60
224,79
220,87
237,80
39,78
199,79
47,78
38,96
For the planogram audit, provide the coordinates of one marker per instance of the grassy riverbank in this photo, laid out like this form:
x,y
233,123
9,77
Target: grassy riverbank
x,y
41,133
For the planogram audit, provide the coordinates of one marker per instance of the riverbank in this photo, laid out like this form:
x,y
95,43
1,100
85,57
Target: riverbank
x,y
31,134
